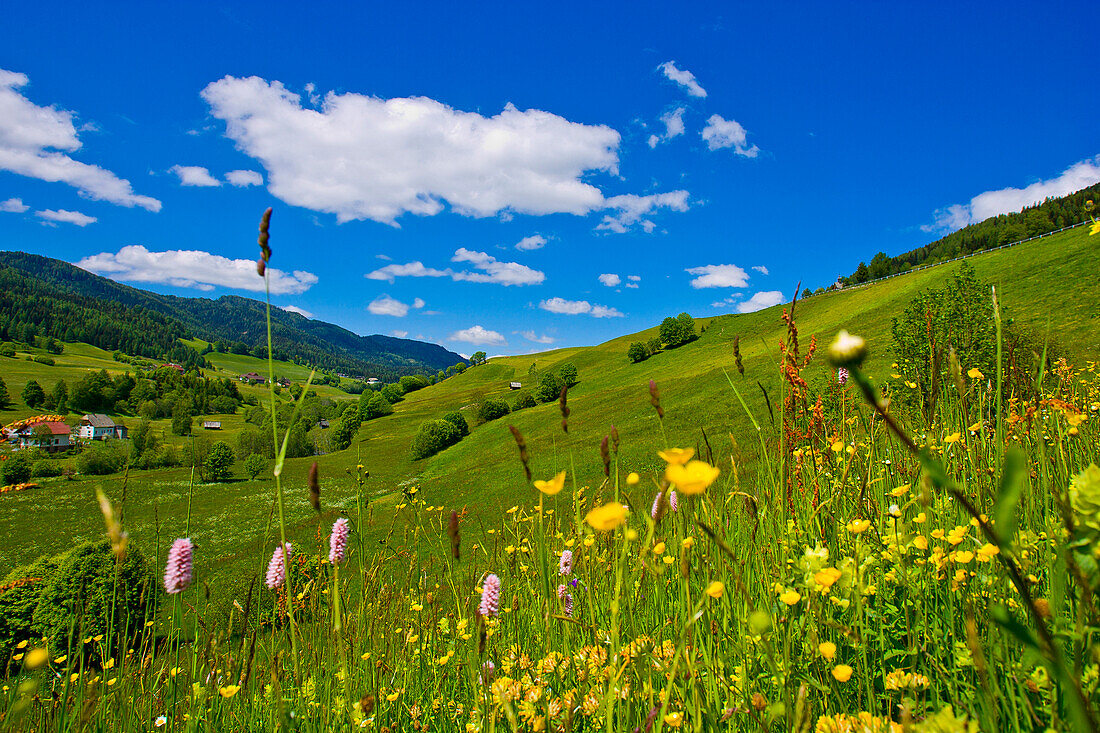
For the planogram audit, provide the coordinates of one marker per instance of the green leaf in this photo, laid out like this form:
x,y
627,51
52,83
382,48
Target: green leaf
x,y
1007,622
1013,474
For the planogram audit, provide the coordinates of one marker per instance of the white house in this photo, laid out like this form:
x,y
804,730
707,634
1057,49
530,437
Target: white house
x,y
98,426
48,435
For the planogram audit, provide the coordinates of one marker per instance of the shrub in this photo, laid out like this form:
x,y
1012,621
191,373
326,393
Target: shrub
x,y
491,409
393,393
24,589
44,360
16,469
79,596
413,383
568,374
7,350
455,418
549,388
254,465
45,468
219,462
223,405
432,437
524,401
374,405
637,352
100,459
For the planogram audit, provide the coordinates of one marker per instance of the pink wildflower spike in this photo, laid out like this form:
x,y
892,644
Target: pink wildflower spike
x,y
276,569
566,565
842,376
673,503
566,599
488,671
177,572
490,596
338,541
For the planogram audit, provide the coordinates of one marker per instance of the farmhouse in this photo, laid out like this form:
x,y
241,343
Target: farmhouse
x,y
97,426
373,380
253,378
515,385
283,382
177,367
49,435
211,425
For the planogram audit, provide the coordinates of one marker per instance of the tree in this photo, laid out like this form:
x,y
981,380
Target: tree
x,y
549,388
478,357
372,405
637,352
687,327
33,394
219,462
254,465
677,331
455,418
432,437
16,469
5,400
58,401
142,439
491,409
344,430
181,418
568,373
393,393
806,293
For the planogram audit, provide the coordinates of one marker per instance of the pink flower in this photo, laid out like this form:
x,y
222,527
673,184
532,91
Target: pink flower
x,y
566,565
177,572
842,376
490,596
566,599
276,569
338,541
672,503
487,672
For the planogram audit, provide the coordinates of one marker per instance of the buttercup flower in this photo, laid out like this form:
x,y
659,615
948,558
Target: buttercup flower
x,y
553,486
842,672
676,456
692,478
827,649
607,517
716,589
177,571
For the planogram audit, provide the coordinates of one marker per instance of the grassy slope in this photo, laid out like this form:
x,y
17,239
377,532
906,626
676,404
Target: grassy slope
x,y
1039,283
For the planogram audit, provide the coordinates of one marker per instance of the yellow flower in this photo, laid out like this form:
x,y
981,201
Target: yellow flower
x,y
111,682
688,543
715,589
607,517
1095,228
393,695
827,650
632,479
21,645
659,548
838,446
61,659
791,597
953,438
676,456
35,658
693,478
920,542
674,720
842,672
553,486
826,577
920,518
859,526
975,373
899,490
963,557
668,559
987,551
976,427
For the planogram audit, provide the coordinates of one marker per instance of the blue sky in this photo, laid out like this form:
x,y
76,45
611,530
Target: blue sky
x,y
516,177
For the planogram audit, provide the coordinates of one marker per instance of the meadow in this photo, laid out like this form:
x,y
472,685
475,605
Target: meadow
x,y
827,579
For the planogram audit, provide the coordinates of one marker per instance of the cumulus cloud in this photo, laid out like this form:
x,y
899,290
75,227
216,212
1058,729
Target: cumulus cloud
x,y
418,303
194,175
487,270
761,269
535,338
610,279
721,133
399,334
478,336
296,309
66,217
718,276
31,138
1007,200
535,241
243,179
384,305
578,307
760,300
193,269
13,206
674,126
362,157
683,77
631,208
634,280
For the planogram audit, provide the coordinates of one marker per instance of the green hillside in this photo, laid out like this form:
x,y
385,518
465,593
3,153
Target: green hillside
x,y
1045,285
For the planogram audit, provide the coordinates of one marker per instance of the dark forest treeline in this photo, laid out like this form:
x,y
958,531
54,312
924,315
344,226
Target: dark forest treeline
x,y
56,299
1052,214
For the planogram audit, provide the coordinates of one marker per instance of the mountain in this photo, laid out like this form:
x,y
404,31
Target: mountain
x,y
55,299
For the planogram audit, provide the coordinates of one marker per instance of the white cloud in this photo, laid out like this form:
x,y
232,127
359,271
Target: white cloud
x,y
243,179
31,136
683,77
385,258
631,208
399,334
610,279
66,217
1007,200
718,276
535,338
193,269
721,133
761,300
535,241
194,175
362,157
761,269
634,280
478,336
578,307
490,270
296,309
418,303
13,206
384,305
674,126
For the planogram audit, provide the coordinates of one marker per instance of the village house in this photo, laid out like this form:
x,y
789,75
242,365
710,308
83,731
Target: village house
x,y
97,426
177,367
49,435
515,385
283,382
372,380
211,425
253,378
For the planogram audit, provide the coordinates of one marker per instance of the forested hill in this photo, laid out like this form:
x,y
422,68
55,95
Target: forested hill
x,y
1052,214
59,300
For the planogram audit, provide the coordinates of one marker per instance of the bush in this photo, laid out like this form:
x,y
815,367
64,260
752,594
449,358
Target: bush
x,y
24,589
568,373
373,405
100,459
219,462
455,418
413,383
223,405
549,388
637,352
490,409
7,350
524,401
44,360
45,468
393,393
16,469
79,596
254,465
432,437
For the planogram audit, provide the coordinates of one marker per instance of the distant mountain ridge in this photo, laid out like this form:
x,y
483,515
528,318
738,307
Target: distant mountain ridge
x,y
36,290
